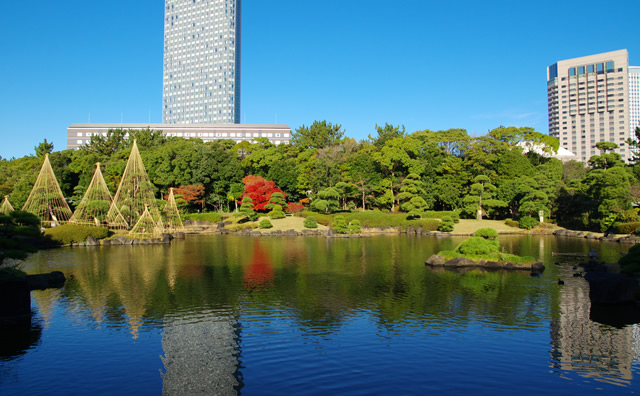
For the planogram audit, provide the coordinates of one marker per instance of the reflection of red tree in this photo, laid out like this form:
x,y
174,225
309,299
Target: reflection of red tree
x,y
259,273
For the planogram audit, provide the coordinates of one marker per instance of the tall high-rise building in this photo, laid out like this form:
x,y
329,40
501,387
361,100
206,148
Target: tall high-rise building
x,y
201,81
589,103
634,98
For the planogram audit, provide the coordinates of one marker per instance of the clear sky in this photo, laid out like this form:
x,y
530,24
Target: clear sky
x,y
418,63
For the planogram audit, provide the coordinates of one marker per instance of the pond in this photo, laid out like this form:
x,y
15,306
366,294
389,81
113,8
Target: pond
x,y
226,314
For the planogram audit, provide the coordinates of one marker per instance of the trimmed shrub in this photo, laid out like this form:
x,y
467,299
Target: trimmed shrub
x,y
478,246
277,213
512,223
486,233
626,228
630,264
446,225
211,217
265,223
528,222
74,233
340,225
23,218
354,227
310,222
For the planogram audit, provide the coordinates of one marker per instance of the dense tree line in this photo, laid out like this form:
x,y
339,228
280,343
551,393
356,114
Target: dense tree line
x,y
392,170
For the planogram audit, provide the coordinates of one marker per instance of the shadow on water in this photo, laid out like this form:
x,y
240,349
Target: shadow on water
x,y
17,339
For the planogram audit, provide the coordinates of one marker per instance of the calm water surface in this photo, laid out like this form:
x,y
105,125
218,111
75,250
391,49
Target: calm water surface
x,y
225,314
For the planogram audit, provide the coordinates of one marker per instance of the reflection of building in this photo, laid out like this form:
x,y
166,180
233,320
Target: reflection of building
x,y
588,348
201,356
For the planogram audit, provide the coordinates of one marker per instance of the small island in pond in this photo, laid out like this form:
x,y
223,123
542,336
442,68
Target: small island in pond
x,y
482,250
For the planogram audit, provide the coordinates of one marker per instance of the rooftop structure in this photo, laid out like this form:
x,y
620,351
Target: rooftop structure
x,y
80,134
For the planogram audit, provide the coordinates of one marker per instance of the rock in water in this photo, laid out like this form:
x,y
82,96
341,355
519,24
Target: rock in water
x,y
611,288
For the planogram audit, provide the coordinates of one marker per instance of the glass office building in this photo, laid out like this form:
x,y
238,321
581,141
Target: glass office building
x,y
201,75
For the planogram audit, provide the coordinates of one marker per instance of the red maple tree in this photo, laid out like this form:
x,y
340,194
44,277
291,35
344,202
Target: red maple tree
x,y
259,190
293,207
190,193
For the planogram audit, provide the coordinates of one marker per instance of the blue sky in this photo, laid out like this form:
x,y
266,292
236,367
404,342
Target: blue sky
x,y
418,63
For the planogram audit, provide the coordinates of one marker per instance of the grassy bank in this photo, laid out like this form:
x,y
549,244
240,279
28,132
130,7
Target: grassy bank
x,y
375,218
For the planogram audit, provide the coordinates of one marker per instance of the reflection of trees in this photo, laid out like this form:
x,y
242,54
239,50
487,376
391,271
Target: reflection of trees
x,y
319,281
590,349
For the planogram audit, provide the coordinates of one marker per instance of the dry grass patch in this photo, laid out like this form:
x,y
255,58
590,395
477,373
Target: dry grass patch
x,y
466,226
288,223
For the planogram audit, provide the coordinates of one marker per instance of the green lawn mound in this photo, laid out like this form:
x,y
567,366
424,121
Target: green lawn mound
x,y
482,250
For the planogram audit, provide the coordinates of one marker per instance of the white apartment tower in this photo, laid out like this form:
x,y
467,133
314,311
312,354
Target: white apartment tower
x,y
588,101
634,99
201,76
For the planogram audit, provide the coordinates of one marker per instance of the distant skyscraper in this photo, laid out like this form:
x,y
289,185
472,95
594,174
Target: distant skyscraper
x,y
201,81
634,98
589,102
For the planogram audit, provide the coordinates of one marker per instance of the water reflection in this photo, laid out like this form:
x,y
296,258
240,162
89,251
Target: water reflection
x,y
584,347
215,300
201,356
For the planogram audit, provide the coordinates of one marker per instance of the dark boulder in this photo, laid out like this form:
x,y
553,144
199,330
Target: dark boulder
x,y
611,288
166,238
435,260
458,262
15,299
493,265
54,279
91,241
537,267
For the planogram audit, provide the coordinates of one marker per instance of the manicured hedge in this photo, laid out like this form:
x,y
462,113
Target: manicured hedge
x,y
626,228
374,218
74,233
512,223
211,217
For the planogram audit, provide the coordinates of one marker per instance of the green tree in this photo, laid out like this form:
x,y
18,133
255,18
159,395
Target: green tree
x,y
43,148
606,159
481,198
327,201
386,133
320,134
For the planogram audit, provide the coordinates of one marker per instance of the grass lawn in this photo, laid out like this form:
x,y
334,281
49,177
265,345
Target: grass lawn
x,y
466,226
288,223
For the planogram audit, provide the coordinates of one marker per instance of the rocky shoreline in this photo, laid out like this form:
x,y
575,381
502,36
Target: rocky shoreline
x,y
463,262
193,227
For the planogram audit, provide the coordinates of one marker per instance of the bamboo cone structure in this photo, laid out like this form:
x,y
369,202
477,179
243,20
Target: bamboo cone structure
x,y
46,200
95,204
135,194
146,226
171,214
6,207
